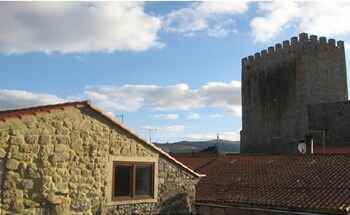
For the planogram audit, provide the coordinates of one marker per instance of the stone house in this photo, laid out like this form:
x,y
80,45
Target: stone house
x,y
71,158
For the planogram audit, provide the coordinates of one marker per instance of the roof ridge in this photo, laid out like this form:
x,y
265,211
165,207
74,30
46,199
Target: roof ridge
x,y
30,110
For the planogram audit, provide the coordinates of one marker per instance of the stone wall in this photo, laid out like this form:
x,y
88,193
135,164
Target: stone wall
x,y
331,120
58,163
279,83
2,168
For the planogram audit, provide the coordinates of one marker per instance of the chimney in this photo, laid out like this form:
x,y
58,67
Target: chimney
x,y
309,141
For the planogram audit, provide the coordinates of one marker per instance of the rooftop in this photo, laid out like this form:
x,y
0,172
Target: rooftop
x,y
313,183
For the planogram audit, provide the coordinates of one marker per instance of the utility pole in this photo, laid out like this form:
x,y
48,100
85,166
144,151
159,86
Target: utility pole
x,y
121,116
150,130
217,143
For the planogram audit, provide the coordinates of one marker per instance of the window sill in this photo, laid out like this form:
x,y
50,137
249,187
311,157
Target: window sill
x,y
131,201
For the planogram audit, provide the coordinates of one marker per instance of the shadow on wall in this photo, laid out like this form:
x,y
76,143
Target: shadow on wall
x,y
178,204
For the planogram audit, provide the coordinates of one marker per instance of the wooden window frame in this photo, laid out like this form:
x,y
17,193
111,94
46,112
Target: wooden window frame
x,y
133,195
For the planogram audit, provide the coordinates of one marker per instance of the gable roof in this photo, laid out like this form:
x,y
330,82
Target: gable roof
x,y
311,183
5,114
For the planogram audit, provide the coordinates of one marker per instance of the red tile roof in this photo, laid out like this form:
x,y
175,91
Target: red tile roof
x,y
315,183
196,162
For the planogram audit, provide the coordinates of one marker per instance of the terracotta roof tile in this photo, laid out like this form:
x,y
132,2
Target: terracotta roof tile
x,y
319,183
196,162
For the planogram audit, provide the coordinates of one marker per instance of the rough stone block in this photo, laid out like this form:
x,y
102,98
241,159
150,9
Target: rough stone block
x,y
1,172
2,153
17,140
31,204
60,148
31,139
55,199
44,139
17,155
32,171
28,184
12,164
62,139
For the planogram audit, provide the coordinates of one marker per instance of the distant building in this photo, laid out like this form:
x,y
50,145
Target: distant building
x,y
72,158
272,184
280,83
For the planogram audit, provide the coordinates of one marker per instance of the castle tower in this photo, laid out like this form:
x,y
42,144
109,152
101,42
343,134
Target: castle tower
x,y
279,83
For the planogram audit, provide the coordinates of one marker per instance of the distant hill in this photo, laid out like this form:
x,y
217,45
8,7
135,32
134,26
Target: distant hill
x,y
225,146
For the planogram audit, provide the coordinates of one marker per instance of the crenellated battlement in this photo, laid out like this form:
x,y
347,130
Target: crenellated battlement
x,y
294,45
278,85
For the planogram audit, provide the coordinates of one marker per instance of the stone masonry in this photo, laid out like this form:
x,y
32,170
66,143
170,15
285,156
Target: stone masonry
x,y
57,162
329,123
278,84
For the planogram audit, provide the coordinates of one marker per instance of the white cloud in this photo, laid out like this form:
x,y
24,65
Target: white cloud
x,y
223,95
234,110
162,133
316,17
174,97
193,116
134,97
166,129
226,135
277,15
71,27
130,98
169,116
215,18
347,46
215,116
11,99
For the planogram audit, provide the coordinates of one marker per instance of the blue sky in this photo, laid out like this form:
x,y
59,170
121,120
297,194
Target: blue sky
x,y
169,67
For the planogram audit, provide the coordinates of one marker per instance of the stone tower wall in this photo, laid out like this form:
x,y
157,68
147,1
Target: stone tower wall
x,y
329,123
279,83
